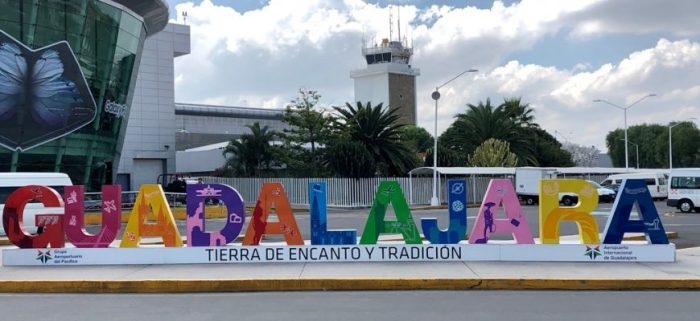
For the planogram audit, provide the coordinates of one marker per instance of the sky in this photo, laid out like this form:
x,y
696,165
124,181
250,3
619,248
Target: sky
x,y
556,55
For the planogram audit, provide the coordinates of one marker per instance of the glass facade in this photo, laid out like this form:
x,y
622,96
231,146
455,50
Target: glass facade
x,y
107,41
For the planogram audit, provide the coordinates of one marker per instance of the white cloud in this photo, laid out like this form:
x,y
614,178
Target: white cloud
x,y
679,17
261,57
563,99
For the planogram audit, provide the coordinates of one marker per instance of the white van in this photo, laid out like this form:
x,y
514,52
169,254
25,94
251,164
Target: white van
x,y
656,182
684,193
9,182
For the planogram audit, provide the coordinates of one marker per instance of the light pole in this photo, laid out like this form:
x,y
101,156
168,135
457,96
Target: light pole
x,y
627,164
637,147
670,145
562,135
436,95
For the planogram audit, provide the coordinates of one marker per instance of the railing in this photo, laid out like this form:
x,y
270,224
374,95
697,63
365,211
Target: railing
x,y
350,192
341,192
93,200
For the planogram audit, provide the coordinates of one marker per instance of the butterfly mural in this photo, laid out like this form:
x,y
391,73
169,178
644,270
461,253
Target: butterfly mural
x,y
43,94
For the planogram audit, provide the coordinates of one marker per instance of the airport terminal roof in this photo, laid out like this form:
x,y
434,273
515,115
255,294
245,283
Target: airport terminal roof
x,y
228,111
154,12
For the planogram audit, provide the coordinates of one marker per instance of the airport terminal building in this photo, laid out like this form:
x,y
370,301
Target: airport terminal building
x,y
87,88
68,113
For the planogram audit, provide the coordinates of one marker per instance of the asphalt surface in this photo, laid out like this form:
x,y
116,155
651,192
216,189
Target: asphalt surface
x,y
376,305
687,225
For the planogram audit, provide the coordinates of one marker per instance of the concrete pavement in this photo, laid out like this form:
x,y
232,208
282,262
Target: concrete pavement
x,y
683,274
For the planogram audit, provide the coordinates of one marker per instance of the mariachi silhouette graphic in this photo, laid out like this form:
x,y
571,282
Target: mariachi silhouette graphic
x,y
489,225
43,94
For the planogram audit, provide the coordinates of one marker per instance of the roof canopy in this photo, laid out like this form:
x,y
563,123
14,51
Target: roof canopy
x,y
465,170
512,170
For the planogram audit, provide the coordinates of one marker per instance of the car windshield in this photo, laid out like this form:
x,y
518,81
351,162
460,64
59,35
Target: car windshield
x,y
596,184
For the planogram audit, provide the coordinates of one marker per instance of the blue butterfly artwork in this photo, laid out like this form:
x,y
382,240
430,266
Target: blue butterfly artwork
x,y
43,94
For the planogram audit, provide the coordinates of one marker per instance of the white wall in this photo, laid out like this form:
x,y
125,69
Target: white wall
x,y
150,133
373,88
372,83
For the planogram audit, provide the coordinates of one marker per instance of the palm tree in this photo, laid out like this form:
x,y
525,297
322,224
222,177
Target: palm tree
x,y
484,121
350,159
251,153
376,129
522,115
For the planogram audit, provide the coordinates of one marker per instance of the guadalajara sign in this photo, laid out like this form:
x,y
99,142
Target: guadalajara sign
x,y
204,246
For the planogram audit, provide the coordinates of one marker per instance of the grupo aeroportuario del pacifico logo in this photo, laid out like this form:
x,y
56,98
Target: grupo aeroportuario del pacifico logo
x,y
500,213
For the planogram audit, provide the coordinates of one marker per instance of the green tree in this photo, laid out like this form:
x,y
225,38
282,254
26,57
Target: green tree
x,y
447,157
309,129
493,153
652,140
548,151
417,139
350,159
521,115
376,129
252,154
686,145
484,121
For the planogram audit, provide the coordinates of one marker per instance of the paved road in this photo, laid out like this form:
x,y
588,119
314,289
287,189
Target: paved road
x,y
379,305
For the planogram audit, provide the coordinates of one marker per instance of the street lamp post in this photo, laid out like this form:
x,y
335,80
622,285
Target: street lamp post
x,y
436,95
625,112
670,145
637,148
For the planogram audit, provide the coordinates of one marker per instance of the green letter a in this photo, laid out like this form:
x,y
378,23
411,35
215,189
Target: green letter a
x,y
390,192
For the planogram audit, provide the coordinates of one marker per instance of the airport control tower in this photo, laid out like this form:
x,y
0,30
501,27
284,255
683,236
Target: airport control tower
x,y
388,77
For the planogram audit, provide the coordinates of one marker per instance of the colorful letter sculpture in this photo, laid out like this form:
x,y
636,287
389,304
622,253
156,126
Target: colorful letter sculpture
x,y
320,235
500,191
151,199
457,209
51,224
389,192
551,215
75,216
197,194
273,193
634,191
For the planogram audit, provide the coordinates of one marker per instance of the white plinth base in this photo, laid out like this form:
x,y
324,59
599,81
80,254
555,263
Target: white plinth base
x,y
236,253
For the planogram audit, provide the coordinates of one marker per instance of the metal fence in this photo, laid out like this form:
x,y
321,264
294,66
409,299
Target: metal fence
x,y
341,192
93,200
349,192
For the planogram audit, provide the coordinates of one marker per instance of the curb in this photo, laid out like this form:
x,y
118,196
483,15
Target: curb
x,y
267,285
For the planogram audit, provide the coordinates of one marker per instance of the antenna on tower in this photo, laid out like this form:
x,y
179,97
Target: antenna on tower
x,y
399,21
184,17
391,23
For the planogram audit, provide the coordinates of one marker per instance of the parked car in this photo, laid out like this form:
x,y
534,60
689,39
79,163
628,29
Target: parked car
x,y
657,182
684,193
605,195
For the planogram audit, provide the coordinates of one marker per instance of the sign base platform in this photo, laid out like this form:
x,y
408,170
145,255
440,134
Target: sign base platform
x,y
236,254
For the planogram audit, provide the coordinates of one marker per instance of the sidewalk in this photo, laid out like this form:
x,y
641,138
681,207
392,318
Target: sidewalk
x,y
683,274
